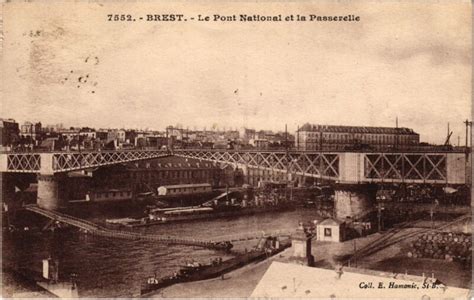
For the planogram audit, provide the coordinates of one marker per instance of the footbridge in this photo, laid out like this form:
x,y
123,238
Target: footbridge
x,y
233,238
217,243
95,229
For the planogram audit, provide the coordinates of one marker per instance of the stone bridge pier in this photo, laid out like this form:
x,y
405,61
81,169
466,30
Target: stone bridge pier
x,y
7,188
352,200
51,191
352,197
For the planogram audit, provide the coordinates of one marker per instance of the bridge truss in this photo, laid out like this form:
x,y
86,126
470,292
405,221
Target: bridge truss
x,y
355,167
23,162
321,165
345,166
413,167
70,161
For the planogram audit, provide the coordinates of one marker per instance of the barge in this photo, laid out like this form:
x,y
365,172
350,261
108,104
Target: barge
x,y
184,214
219,207
196,272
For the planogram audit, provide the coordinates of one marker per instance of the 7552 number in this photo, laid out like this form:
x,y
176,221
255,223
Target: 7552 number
x,y
119,18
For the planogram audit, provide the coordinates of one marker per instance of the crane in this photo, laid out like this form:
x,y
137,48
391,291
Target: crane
x,y
447,143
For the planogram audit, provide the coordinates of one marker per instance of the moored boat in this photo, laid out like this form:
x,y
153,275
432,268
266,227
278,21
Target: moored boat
x,y
196,272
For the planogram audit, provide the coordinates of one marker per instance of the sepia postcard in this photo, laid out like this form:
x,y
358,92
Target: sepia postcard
x,y
236,149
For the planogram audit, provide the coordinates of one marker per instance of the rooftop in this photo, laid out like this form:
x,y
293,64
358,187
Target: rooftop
x,y
331,221
177,186
355,129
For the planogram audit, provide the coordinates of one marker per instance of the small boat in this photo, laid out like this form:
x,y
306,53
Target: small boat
x,y
128,222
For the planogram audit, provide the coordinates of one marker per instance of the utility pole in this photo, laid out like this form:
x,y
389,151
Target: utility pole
x,y
355,253
431,217
286,150
227,193
287,162
380,208
397,133
470,135
291,192
298,137
468,126
468,157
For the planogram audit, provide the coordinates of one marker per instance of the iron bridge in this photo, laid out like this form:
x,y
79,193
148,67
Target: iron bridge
x,y
352,167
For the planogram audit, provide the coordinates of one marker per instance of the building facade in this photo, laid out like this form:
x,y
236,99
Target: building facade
x,y
148,175
184,189
9,133
331,137
32,130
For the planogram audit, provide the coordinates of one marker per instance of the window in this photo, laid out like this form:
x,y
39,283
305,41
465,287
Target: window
x,y
327,232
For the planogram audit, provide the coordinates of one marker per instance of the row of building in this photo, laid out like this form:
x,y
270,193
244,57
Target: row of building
x,y
307,137
243,138
31,136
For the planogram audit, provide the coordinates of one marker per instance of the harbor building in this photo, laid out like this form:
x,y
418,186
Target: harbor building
x,y
148,176
332,137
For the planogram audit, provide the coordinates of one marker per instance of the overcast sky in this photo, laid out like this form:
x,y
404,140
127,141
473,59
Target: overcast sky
x,y
71,66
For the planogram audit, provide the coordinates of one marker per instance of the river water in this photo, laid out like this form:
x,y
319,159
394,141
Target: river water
x,y
117,268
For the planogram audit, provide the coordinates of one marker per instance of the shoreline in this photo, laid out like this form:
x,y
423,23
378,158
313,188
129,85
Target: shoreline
x,y
16,285
247,278
242,282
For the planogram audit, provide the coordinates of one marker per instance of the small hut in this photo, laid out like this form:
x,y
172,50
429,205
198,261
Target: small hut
x,y
331,230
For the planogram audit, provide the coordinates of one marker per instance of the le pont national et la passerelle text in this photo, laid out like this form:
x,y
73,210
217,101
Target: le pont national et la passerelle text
x,y
231,18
